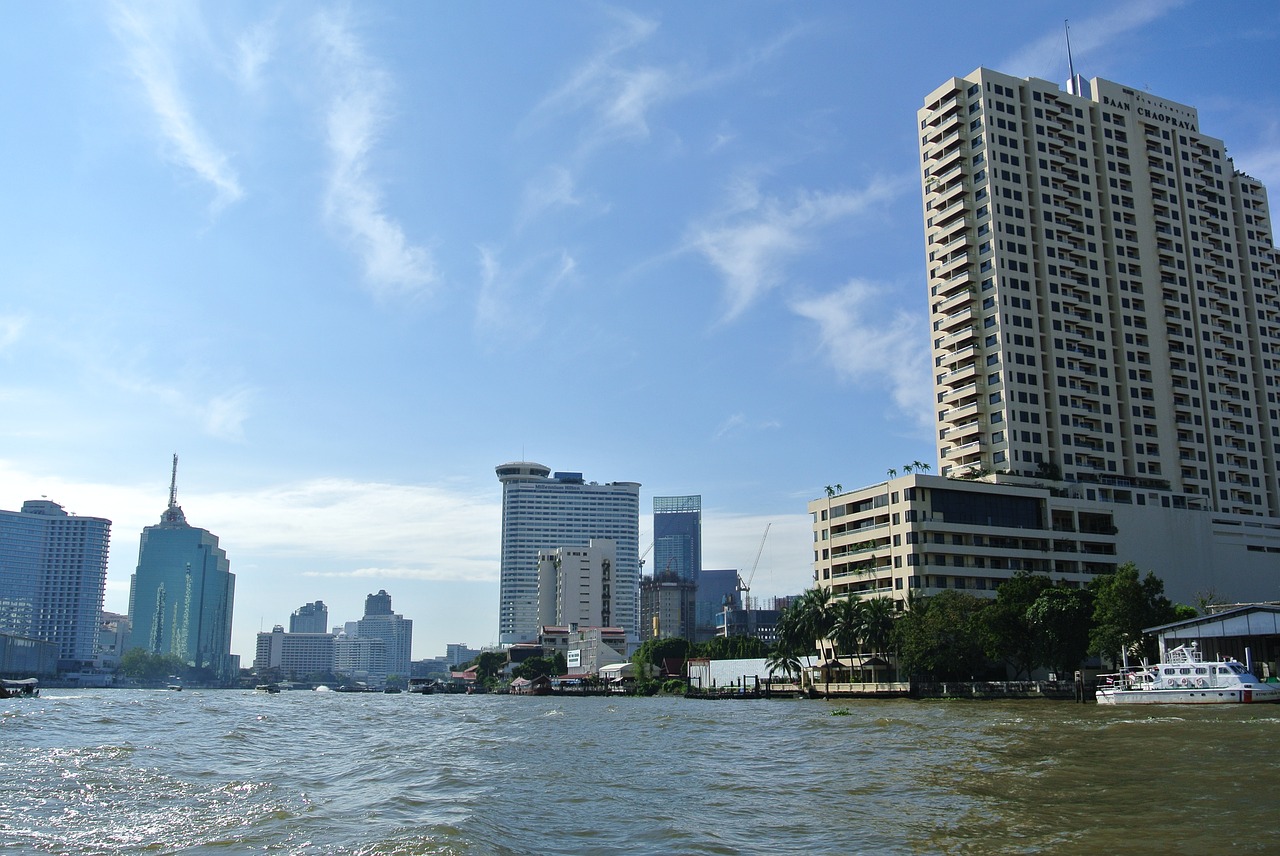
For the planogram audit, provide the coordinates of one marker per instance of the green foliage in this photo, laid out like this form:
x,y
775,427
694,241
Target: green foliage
x,y
1125,603
943,637
489,664
535,667
1060,618
1008,631
142,665
652,652
674,686
779,660
733,648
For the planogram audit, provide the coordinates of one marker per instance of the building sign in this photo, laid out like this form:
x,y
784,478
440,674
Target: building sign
x,y
574,658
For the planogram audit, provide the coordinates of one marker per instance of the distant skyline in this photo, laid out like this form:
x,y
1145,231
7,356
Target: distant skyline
x,y
345,259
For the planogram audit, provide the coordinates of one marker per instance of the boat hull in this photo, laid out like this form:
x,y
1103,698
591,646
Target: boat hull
x,y
1209,695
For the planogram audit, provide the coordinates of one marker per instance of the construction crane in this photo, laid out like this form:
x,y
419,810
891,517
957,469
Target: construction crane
x,y
745,588
643,555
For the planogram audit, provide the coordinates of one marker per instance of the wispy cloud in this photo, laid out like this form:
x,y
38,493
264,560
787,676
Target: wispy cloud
x,y
217,414
553,189
738,422
148,42
356,113
750,242
11,329
1046,57
870,347
253,51
511,298
1262,161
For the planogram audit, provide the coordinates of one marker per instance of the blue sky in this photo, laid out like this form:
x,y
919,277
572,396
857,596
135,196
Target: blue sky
x,y
346,259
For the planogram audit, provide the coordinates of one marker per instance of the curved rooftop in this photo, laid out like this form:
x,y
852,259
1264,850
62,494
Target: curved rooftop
x,y
521,471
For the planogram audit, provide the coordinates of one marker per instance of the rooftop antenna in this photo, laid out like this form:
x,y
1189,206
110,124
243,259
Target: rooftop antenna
x,y
1075,85
173,483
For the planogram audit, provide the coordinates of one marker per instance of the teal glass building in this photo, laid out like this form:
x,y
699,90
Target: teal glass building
x,y
182,594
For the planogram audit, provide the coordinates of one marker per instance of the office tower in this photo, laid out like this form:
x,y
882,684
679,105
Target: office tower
x,y
1106,330
458,653
677,536
395,631
182,593
1103,293
575,585
310,618
717,588
53,569
542,511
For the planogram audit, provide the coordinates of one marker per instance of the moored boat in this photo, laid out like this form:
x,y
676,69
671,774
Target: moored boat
x,y
1184,677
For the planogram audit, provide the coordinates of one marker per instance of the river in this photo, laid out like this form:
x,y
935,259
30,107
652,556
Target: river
x,y
228,772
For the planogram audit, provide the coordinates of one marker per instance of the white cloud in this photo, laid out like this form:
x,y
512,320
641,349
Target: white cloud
x,y
1046,57
151,59
11,329
1263,160
393,266
216,414
326,527
253,51
867,347
734,540
511,299
750,242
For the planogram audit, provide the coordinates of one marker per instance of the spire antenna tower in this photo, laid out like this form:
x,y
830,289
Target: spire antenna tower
x,y
173,483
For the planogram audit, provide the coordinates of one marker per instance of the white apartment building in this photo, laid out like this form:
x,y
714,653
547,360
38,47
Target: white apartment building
x,y
575,584
1103,291
546,511
1106,339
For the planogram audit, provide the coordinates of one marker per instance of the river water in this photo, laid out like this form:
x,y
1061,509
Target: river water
x,y
228,772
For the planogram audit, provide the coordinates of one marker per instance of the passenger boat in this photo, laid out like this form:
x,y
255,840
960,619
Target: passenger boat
x,y
1186,678
25,688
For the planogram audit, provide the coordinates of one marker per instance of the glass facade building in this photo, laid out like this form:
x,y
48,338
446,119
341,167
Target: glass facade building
x,y
182,594
53,569
677,536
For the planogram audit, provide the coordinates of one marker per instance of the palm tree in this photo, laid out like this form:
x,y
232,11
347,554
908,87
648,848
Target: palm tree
x,y
920,466
891,473
906,468
782,659
878,616
847,627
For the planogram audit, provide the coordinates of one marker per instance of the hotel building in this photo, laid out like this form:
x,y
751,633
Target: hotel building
x,y
545,511
1106,347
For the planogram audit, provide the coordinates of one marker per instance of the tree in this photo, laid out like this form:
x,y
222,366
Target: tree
x,y
878,616
140,664
942,636
782,660
1061,619
489,664
1123,605
732,648
1010,636
846,627
537,667
654,651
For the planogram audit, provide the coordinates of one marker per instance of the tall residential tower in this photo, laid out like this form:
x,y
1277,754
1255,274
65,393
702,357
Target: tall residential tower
x,y
545,511
53,571
1104,296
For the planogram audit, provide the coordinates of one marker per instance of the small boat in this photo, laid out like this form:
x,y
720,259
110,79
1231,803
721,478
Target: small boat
x,y
1184,677
24,688
268,688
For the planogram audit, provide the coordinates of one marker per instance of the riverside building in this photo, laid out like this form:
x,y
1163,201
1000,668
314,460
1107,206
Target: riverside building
x,y
53,571
1106,345
545,511
182,594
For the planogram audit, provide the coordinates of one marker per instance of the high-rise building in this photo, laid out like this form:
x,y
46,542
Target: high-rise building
x,y
1106,341
395,631
182,594
297,655
1103,292
542,511
575,584
668,607
677,536
717,588
53,571
310,618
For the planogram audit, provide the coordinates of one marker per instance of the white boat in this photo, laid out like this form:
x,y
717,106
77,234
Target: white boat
x,y
1186,678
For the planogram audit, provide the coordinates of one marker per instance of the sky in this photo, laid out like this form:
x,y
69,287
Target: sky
x,y
345,259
